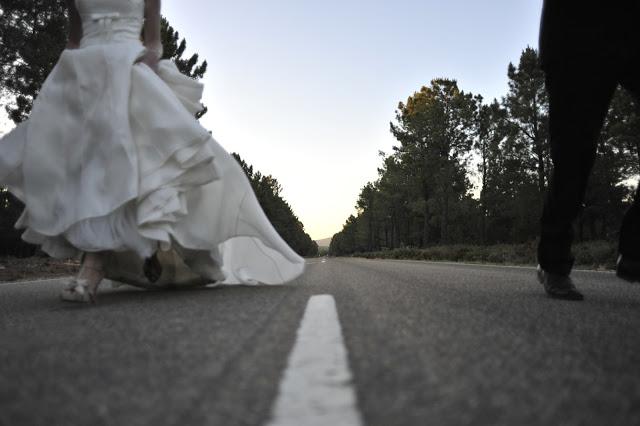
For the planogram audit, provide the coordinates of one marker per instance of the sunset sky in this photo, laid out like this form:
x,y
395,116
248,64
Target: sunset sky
x,y
305,90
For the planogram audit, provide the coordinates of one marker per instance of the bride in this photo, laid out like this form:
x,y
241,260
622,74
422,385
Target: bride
x,y
113,165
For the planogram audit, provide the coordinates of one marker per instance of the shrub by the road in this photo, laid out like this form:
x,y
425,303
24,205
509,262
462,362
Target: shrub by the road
x,y
593,254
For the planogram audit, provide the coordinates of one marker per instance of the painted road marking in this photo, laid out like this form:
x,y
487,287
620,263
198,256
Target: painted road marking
x,y
316,388
316,261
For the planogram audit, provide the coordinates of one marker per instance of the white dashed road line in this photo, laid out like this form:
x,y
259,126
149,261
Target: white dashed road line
x,y
316,388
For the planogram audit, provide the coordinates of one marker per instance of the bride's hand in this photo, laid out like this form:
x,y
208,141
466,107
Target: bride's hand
x,y
152,34
150,58
75,26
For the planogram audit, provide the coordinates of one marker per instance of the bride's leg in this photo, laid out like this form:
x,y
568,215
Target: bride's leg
x,y
84,286
92,270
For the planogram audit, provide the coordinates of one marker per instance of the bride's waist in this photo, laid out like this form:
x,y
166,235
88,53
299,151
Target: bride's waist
x,y
105,28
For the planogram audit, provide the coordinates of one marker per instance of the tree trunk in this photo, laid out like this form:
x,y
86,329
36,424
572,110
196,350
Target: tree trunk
x,y
386,234
539,150
444,230
425,227
425,224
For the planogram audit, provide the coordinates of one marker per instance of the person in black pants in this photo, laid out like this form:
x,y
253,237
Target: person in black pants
x,y
587,49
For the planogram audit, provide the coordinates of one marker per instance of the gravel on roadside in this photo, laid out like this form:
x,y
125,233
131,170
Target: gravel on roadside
x,y
36,267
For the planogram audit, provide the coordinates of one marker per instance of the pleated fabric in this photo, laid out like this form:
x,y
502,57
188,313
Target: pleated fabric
x,y
112,159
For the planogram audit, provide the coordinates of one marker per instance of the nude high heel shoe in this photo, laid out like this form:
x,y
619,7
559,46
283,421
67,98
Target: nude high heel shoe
x,y
81,289
76,290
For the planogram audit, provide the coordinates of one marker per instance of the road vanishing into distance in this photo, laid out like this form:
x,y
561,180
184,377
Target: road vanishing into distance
x,y
352,342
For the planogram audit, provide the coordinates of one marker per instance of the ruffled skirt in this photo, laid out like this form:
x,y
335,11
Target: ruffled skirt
x,y
113,160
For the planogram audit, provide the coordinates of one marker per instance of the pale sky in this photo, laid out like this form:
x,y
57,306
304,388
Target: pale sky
x,y
305,90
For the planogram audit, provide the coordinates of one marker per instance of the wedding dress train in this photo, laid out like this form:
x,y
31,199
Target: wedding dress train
x,y
112,159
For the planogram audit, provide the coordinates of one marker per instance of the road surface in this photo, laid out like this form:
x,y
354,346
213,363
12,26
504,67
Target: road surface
x,y
400,343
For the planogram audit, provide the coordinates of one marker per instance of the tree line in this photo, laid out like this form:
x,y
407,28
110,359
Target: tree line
x,y
466,171
32,36
268,190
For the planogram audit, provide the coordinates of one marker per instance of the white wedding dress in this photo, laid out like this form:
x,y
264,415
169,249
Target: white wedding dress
x,y
112,159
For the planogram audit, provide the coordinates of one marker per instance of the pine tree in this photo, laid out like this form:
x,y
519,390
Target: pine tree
x,y
528,107
435,129
608,192
174,48
492,132
33,35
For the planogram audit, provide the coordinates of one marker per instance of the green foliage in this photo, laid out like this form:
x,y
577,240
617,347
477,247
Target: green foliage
x,y
527,106
435,129
33,34
422,199
267,190
423,194
173,48
593,254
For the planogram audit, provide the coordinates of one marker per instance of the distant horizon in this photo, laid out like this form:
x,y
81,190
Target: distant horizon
x,y
323,242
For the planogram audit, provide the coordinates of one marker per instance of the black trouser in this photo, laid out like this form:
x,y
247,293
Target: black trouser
x,y
579,97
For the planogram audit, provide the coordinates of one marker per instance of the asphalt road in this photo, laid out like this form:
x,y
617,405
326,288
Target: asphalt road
x,y
428,344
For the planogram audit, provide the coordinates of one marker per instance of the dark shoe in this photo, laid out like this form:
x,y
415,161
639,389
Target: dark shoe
x,y
152,268
628,269
558,286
